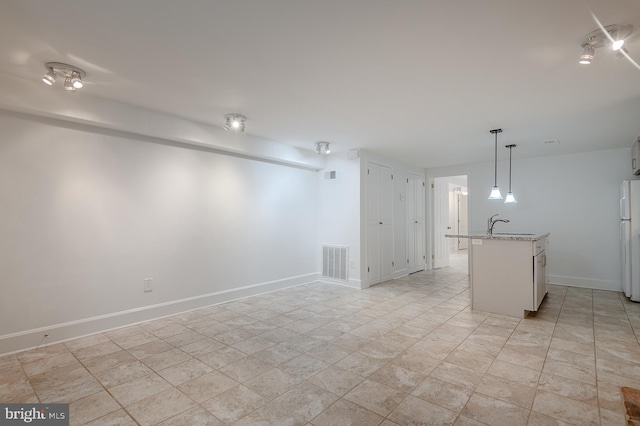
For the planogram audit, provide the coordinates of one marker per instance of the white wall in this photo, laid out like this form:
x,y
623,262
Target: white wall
x,y
339,211
574,197
86,214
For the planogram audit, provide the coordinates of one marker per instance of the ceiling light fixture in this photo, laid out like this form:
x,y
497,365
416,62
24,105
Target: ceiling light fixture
x,y
510,198
234,122
73,75
611,35
323,148
495,191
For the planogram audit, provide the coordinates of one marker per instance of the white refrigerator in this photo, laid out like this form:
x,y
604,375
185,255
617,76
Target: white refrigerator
x,y
630,238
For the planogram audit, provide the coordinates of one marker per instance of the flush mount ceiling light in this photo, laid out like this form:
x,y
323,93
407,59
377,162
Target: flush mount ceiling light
x,y
234,122
323,148
495,191
73,75
510,198
611,35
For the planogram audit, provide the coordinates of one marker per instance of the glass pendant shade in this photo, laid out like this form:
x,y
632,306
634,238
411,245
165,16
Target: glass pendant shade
x,y
495,194
510,198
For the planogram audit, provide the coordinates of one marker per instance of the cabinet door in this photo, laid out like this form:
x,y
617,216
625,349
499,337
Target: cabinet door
x,y
539,279
635,153
386,217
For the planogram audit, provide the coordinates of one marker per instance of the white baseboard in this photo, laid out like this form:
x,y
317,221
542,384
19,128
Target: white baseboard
x,y
352,283
29,339
585,282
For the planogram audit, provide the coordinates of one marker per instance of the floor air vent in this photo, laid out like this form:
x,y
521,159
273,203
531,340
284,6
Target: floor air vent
x,y
334,262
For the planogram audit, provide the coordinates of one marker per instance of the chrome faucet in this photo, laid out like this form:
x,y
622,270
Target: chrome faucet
x,y
491,222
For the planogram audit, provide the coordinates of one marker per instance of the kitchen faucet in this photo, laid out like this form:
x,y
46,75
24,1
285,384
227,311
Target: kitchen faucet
x,y
491,222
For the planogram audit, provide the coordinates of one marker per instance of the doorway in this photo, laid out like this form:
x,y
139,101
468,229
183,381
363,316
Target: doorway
x,y
450,215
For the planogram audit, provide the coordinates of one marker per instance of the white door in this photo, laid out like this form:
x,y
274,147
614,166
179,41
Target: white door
x,y
379,224
463,221
373,224
440,222
415,223
386,228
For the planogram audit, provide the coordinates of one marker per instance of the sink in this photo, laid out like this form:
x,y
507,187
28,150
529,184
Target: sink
x,y
511,233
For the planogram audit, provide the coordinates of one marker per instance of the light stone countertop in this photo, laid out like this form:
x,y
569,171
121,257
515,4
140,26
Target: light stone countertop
x,y
517,236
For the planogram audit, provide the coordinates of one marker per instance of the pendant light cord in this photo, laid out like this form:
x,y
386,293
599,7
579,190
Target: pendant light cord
x,y
510,146
495,163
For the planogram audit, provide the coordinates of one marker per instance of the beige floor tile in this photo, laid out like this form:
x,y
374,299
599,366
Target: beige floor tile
x,y
416,411
149,349
443,394
68,391
92,407
304,366
361,364
376,397
507,391
397,377
336,380
116,418
122,373
456,375
234,404
245,369
49,363
572,389
474,361
297,406
202,347
566,409
40,353
166,359
19,391
466,421
207,386
196,416
96,351
276,354
162,406
138,389
494,412
538,419
221,357
534,362
183,339
515,373
273,383
185,371
95,365
329,353
346,413
84,342
570,371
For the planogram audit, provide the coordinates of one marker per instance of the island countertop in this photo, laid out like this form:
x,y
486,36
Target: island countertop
x,y
513,236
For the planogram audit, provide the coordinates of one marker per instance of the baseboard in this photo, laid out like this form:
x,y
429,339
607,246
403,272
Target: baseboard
x,y
585,282
29,339
352,283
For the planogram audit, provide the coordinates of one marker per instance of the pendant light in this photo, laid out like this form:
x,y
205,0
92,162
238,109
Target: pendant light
x,y
510,198
495,191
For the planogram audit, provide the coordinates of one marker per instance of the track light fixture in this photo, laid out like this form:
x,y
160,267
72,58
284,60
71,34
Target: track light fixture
x,y
611,35
73,75
234,122
323,148
495,191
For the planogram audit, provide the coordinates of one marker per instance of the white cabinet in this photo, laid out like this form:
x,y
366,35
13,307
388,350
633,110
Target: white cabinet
x,y
635,157
379,225
508,276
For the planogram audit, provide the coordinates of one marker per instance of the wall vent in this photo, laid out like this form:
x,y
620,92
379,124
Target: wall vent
x,y
335,260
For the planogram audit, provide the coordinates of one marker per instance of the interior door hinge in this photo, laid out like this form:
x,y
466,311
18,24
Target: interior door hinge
x,y
422,183
393,263
368,270
367,171
407,180
407,260
433,257
391,177
424,257
432,186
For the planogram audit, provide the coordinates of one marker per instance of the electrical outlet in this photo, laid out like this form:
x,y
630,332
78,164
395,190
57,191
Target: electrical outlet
x,y
148,285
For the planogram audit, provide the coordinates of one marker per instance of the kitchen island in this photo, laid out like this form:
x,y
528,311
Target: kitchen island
x,y
508,272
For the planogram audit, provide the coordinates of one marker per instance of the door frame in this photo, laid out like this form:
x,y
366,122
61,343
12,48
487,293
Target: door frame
x,y
429,209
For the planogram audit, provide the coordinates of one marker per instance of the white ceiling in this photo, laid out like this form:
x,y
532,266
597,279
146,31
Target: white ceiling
x,y
420,81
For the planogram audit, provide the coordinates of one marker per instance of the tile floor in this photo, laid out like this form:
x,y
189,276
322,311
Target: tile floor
x,y
406,352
